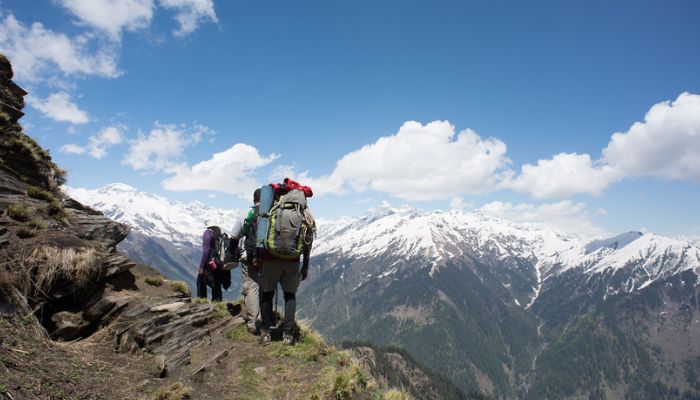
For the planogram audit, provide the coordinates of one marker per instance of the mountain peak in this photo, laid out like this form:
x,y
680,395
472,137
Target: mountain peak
x,y
616,242
118,187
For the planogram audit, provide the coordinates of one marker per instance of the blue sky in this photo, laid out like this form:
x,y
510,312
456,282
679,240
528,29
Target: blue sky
x,y
145,92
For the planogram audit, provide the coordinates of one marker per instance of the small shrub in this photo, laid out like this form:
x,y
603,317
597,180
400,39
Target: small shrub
x,y
176,391
55,209
39,193
221,309
396,394
180,286
37,224
19,212
154,280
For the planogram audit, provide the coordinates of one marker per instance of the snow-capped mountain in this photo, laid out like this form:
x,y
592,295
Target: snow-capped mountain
x,y
164,234
153,215
513,310
438,237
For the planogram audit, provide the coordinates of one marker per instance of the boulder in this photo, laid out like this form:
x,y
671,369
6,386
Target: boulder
x,y
69,325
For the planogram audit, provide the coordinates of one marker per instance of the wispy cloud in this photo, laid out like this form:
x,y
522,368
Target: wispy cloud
x,y
99,143
36,52
107,137
72,148
565,215
190,14
59,107
163,148
111,17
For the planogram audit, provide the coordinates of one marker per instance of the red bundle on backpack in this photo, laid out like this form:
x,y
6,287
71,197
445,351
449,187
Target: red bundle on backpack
x,y
289,184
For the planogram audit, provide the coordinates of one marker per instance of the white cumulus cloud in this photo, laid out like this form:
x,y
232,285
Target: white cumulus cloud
x,y
72,148
230,171
36,51
563,175
565,215
190,13
163,147
112,16
59,107
425,162
107,137
666,144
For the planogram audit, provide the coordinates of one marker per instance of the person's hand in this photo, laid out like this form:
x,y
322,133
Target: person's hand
x,y
304,272
257,262
201,271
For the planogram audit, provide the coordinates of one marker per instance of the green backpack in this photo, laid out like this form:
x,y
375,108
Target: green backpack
x,y
291,228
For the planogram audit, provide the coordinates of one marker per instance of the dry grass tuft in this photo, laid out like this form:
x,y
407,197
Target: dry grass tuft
x,y
177,391
19,212
25,233
39,193
154,280
79,266
180,286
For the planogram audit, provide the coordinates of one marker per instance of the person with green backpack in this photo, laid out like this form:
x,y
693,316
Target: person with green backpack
x,y
286,230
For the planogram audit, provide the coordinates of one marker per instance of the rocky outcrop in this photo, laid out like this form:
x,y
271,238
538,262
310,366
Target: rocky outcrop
x,y
58,254
171,329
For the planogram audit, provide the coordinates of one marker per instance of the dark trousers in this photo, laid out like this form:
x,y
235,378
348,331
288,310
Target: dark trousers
x,y
290,307
216,292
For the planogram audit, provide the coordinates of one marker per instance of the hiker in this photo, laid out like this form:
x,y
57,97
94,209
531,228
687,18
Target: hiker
x,y
282,265
250,272
211,271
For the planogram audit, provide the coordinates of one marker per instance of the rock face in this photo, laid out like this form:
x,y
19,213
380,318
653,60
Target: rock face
x,y
60,255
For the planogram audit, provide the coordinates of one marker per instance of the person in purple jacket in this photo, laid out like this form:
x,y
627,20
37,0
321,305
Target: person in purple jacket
x,y
210,274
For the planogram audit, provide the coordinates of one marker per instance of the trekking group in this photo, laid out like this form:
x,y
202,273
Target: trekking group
x,y
273,245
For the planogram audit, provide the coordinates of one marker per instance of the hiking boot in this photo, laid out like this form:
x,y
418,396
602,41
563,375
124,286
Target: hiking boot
x,y
265,338
288,339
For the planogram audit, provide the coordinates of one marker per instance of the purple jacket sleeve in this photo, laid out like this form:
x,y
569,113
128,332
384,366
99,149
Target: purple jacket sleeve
x,y
206,246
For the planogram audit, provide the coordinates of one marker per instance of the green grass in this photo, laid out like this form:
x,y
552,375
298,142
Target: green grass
x,y
310,347
221,309
396,394
37,224
154,280
239,334
20,212
3,388
39,193
340,384
56,210
180,286
250,379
